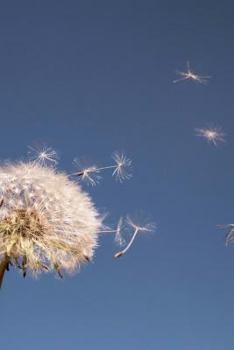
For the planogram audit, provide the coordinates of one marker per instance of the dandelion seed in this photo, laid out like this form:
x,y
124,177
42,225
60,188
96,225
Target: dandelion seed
x,y
46,221
120,170
148,227
212,135
44,155
190,75
229,238
122,166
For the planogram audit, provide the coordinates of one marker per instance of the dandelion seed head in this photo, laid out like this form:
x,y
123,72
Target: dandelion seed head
x,y
47,222
212,135
123,166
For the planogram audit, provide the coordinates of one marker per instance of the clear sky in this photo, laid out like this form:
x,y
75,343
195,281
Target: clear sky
x,y
91,77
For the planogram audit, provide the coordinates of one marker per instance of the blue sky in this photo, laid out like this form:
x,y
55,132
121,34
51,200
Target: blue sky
x,y
91,77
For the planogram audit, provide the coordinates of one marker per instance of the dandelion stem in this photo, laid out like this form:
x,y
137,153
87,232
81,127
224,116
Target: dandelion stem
x,y
106,167
107,231
122,252
95,170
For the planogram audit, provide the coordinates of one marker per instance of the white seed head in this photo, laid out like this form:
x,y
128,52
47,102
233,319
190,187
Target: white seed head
x,y
46,221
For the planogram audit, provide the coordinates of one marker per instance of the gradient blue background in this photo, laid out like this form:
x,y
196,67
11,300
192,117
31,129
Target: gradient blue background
x,y
90,77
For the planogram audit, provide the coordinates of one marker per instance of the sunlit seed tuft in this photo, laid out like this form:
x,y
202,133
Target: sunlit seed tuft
x,y
190,75
212,135
123,165
43,155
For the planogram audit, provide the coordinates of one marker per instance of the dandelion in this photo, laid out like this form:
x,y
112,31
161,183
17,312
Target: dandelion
x,y
148,227
47,222
120,169
44,155
190,75
212,135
